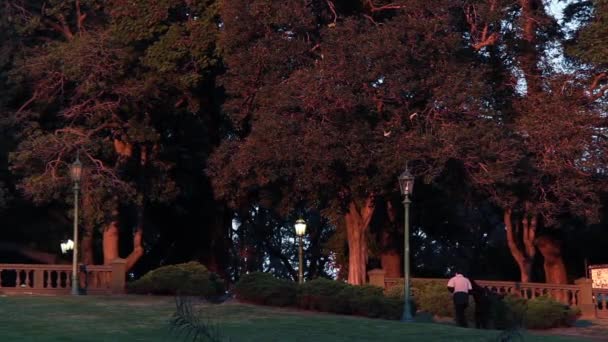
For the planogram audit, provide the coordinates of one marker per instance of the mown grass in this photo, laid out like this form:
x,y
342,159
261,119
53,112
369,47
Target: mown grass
x,y
140,318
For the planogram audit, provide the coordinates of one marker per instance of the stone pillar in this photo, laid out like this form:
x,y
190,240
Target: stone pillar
x,y
376,277
119,270
39,278
585,297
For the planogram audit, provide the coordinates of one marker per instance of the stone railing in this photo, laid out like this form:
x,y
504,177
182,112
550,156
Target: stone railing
x,y
580,294
600,301
57,279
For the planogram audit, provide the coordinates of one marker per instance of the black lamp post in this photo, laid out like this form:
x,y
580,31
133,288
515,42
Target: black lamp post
x,y
406,184
300,227
76,174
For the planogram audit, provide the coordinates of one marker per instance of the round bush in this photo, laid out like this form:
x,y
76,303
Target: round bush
x,y
263,288
545,313
192,279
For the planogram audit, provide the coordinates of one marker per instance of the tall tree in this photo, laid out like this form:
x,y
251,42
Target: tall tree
x,y
318,110
535,151
105,81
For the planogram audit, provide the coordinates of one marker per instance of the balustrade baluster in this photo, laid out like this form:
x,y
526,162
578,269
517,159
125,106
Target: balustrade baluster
x,y
55,279
27,278
18,278
1,277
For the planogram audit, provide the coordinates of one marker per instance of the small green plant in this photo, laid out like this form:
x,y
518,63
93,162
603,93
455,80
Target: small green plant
x,y
190,325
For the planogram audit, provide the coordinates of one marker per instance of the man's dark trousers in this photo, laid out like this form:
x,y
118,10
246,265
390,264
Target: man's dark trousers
x,y
461,301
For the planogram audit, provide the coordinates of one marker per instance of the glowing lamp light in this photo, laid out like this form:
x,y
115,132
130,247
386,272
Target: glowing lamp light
x,y
67,246
300,227
76,170
406,182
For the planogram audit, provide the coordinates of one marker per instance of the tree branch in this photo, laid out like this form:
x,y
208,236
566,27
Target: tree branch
x,y
375,8
515,251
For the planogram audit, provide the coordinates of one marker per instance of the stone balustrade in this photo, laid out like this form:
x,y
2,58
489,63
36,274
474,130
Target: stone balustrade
x,y
592,302
57,279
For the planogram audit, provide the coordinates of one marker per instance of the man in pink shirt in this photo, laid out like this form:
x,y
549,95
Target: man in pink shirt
x,y
460,286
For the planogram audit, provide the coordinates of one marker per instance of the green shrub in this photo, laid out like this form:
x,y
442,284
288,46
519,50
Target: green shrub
x,y
263,288
507,312
433,297
191,279
395,291
320,294
544,313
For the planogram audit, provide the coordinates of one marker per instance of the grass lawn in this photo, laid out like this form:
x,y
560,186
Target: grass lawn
x,y
140,318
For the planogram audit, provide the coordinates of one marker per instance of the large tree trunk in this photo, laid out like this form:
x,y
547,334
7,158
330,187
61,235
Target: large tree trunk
x,y
111,238
391,264
523,252
555,269
357,222
110,242
532,12
390,259
86,244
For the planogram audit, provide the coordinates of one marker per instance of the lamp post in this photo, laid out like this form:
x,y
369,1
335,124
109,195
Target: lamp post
x,y
406,184
300,231
76,174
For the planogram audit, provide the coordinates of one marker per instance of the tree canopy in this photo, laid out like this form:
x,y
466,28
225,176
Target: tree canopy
x,y
224,120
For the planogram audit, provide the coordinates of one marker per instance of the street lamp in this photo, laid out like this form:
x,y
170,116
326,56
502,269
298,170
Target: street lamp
x,y
76,174
300,231
406,183
67,246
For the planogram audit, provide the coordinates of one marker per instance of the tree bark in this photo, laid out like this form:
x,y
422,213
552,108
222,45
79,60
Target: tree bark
x,y
86,244
86,247
532,11
110,242
555,269
357,221
390,259
391,264
523,254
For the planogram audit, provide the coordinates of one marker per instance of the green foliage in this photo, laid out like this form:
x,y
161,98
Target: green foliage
x,y
189,279
370,302
539,313
322,295
263,288
192,326
433,297
508,312
589,43
545,313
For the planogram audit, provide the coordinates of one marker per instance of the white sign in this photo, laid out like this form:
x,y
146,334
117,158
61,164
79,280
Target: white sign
x,y
599,276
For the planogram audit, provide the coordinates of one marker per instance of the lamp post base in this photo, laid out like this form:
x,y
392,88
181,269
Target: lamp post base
x,y
75,286
407,318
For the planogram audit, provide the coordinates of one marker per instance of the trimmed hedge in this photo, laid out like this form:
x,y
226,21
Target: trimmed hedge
x,y
264,289
320,295
430,296
192,279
